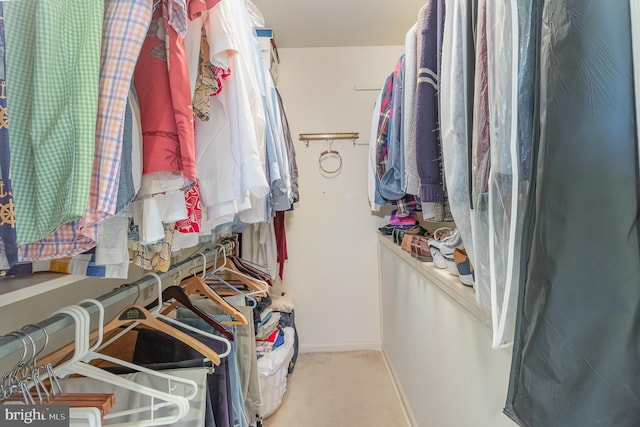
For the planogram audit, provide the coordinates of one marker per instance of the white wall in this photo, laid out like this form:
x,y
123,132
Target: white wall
x,y
439,352
331,235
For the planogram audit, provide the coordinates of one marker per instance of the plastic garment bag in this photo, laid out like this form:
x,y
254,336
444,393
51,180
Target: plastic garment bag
x,y
576,358
456,85
480,164
510,86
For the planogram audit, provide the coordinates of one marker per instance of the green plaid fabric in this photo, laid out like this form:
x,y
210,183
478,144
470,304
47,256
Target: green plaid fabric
x,y
53,68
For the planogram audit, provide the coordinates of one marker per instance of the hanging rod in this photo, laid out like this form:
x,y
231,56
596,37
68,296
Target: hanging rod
x,y
10,344
306,137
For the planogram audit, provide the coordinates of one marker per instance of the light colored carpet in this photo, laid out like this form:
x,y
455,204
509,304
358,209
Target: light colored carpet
x,y
350,389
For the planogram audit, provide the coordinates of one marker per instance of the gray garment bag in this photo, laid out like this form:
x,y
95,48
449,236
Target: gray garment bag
x,y
576,355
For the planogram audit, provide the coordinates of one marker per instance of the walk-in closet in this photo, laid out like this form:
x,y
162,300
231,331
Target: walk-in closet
x,y
235,213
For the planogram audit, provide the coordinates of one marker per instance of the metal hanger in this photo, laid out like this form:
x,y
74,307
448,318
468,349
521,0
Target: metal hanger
x,y
327,153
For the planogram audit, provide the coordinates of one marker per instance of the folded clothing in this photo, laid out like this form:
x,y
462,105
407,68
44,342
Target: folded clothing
x,y
407,219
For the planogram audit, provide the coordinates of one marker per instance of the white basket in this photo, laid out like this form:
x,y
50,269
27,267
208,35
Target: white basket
x,y
272,372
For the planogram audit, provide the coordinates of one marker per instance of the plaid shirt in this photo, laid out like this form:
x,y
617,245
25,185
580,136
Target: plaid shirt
x,y
53,66
382,142
124,30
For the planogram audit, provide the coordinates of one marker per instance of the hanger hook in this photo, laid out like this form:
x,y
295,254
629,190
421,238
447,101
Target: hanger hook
x,y
46,339
159,285
215,260
223,249
204,264
24,349
21,373
100,320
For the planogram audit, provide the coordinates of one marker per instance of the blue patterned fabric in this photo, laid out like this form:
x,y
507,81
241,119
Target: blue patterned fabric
x,y
8,243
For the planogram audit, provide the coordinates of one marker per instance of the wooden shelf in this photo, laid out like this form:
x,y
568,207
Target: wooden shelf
x,y
447,283
16,289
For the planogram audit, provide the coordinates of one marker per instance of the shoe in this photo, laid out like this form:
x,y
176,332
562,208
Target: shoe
x,y
442,249
388,229
406,242
416,230
463,264
419,247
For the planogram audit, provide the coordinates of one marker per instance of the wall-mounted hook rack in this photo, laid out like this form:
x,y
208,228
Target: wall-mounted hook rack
x,y
306,137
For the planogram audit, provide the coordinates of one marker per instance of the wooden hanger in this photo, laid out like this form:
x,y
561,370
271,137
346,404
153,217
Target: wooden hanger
x,y
252,283
195,284
136,313
179,295
139,314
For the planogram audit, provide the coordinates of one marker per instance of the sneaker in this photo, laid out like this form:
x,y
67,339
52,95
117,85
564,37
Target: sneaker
x,y
465,269
442,249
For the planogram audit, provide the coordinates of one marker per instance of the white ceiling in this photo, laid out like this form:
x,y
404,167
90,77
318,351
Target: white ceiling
x,y
331,23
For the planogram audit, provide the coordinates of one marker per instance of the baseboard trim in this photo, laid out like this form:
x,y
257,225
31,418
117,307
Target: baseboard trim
x,y
327,348
406,408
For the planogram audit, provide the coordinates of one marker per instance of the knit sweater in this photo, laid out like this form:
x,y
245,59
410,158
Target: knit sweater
x,y
428,150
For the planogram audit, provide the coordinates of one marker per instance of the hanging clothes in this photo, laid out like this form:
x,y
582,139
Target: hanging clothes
x,y
291,151
392,182
428,148
456,84
575,357
480,165
281,241
252,149
279,170
511,90
412,179
8,241
230,146
161,81
382,136
53,126
375,200
125,25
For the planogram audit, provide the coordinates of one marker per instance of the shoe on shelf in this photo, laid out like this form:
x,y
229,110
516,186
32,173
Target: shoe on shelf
x,y
388,229
463,264
420,248
442,247
416,230
417,245
406,242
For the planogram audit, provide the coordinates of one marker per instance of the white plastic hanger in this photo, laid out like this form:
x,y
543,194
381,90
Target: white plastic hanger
x,y
156,313
85,417
77,366
93,355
